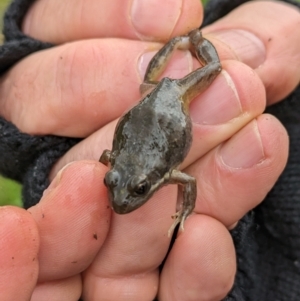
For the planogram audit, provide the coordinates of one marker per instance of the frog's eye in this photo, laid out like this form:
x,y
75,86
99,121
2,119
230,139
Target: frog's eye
x,y
111,179
141,188
138,186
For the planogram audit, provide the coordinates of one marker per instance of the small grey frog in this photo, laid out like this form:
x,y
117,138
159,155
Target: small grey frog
x,y
154,137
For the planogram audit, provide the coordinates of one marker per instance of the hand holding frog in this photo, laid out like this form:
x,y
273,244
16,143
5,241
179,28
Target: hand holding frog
x,y
121,254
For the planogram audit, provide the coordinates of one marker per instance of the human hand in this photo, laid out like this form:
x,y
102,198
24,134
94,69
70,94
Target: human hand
x,y
129,250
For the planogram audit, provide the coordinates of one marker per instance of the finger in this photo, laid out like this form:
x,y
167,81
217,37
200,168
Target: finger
x,y
201,265
262,34
236,176
67,289
19,254
235,98
73,219
136,245
74,89
126,19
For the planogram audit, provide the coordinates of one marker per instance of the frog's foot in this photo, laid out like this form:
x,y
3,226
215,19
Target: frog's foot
x,y
179,217
105,157
187,206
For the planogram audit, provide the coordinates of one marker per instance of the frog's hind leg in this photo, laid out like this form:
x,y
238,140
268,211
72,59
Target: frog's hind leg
x,y
158,63
189,198
198,80
205,51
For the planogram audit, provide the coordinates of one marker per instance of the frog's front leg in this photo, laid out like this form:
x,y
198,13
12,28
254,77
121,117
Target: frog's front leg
x,y
105,157
189,197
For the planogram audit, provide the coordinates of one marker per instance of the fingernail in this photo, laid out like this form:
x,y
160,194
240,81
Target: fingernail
x,y
244,149
150,21
55,182
247,47
218,104
180,64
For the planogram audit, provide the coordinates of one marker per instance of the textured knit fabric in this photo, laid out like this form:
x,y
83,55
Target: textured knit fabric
x,y
267,239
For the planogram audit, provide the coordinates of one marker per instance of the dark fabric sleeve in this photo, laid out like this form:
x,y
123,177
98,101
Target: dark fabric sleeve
x,y
267,239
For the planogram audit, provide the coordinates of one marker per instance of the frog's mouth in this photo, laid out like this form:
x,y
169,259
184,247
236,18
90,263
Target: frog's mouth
x,y
124,205
123,209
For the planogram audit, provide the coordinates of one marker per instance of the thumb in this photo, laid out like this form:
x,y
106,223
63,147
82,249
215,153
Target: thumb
x,y
263,35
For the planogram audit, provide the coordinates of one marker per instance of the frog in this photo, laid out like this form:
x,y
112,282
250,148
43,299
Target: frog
x,y
153,138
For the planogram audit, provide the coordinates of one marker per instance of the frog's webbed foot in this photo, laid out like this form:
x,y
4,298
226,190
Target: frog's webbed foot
x,y
179,218
105,157
189,198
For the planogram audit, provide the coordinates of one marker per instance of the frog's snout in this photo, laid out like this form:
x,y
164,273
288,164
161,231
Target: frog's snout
x,y
122,202
121,208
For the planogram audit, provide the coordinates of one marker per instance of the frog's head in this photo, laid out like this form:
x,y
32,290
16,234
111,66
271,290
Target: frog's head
x,y
127,193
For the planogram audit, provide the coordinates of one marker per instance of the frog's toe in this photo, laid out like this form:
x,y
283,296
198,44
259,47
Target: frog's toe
x,y
182,223
177,219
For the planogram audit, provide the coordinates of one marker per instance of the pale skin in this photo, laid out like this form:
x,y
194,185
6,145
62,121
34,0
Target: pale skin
x,y
71,230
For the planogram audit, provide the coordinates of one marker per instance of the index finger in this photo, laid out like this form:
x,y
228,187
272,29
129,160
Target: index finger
x,y
150,19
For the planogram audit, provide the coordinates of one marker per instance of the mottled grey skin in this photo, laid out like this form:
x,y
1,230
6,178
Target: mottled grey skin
x,y
154,137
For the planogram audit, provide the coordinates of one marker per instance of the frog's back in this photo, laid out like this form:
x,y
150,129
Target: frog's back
x,y
157,131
